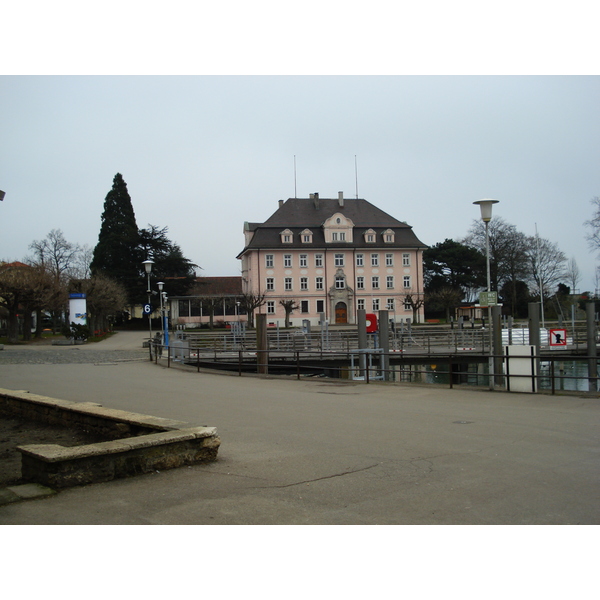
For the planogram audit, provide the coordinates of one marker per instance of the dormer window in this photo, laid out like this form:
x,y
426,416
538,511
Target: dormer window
x,y
338,228
306,236
287,236
370,236
388,236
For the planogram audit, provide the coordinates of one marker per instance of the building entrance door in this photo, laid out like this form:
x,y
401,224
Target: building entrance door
x,y
341,313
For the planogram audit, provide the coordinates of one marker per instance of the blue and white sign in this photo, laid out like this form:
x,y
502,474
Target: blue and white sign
x,y
147,309
77,309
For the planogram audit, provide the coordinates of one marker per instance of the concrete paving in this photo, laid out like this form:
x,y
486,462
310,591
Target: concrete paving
x,y
322,452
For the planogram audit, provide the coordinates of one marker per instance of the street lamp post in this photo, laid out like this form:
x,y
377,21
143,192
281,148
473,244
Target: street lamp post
x,y
486,216
165,328
148,267
166,319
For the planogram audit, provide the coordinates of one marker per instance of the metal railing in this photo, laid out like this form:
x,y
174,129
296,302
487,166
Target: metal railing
x,y
548,373
418,337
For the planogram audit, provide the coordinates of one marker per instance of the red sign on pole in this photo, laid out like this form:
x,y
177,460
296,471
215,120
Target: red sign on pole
x,y
558,337
371,323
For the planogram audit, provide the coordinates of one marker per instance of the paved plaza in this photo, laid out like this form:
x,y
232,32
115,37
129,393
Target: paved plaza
x,y
322,452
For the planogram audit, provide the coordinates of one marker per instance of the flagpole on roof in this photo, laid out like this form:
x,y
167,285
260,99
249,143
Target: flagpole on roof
x,y
295,192
356,175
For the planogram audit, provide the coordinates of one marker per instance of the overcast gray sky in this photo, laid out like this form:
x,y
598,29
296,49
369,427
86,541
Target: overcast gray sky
x,y
203,154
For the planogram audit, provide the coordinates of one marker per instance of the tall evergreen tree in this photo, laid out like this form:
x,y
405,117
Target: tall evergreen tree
x,y
117,253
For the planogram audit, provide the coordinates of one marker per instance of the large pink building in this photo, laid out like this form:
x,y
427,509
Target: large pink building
x,y
333,256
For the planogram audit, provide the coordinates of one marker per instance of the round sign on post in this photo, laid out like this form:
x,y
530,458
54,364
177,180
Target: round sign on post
x,y
371,321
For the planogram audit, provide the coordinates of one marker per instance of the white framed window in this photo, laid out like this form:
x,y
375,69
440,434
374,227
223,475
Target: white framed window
x,y
360,283
389,282
287,239
270,284
375,304
407,305
334,236
375,282
270,307
287,236
339,260
269,261
389,260
406,282
406,259
304,283
391,304
287,261
306,236
370,237
340,282
342,236
360,260
318,260
318,283
360,304
374,260
288,284
304,306
304,261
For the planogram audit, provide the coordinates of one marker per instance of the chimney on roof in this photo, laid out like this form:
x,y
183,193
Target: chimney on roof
x,y
315,199
341,199
280,203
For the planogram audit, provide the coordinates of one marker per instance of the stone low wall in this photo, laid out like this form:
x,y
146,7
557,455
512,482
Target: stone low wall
x,y
108,423
137,443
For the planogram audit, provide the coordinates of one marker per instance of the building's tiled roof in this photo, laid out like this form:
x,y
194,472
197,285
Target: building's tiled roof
x,y
297,214
303,212
13,264
217,286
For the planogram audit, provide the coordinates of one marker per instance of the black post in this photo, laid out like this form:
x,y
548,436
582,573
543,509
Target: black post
x,y
497,344
262,344
384,343
361,320
590,308
534,339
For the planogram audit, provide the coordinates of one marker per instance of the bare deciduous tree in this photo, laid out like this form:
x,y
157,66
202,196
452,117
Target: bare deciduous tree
x,y
508,248
572,275
251,302
593,225
546,265
289,305
55,253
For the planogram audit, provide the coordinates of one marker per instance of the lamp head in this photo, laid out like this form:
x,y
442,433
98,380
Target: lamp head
x,y
486,208
148,266
160,285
